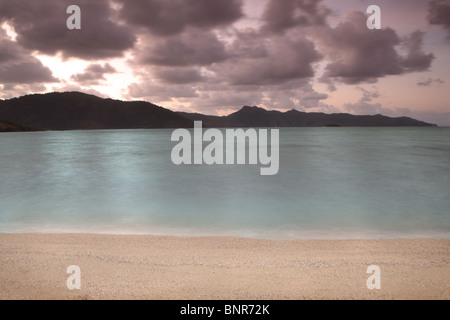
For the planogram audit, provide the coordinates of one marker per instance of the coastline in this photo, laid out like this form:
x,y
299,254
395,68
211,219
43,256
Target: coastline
x,y
34,266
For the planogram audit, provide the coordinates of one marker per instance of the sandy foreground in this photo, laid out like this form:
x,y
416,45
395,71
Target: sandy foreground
x,y
34,266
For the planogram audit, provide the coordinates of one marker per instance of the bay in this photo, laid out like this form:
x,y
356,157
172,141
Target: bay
x,y
332,183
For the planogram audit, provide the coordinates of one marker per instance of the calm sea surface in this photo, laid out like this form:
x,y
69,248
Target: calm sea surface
x,y
332,183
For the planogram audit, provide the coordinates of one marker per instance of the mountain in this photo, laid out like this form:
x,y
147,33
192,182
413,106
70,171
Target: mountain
x,y
258,117
79,111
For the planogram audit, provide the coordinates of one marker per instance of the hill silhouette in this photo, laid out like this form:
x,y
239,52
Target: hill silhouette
x,y
258,117
80,111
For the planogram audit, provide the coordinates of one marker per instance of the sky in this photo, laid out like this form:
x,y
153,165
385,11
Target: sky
x,y
216,56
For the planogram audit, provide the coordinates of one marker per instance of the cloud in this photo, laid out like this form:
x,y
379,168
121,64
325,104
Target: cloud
x,y
358,54
25,72
429,82
268,60
190,48
364,105
41,25
369,95
9,90
329,82
224,98
178,75
361,107
93,73
299,95
150,90
439,14
18,66
312,100
280,15
169,17
8,50
99,69
416,59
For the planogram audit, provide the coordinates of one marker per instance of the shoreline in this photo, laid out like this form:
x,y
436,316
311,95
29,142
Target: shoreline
x,y
146,267
264,235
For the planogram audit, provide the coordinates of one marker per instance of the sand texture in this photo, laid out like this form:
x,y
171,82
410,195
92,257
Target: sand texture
x,y
34,266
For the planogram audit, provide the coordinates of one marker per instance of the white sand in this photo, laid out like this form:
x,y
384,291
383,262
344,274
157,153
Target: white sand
x,y
33,266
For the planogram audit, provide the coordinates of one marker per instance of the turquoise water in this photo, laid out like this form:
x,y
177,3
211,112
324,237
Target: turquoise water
x,y
332,183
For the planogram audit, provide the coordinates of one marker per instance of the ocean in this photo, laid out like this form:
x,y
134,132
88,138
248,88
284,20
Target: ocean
x,y
332,183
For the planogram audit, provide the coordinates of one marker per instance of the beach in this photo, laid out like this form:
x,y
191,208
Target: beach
x,y
143,267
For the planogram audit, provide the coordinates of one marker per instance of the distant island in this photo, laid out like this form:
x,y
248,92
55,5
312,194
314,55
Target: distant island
x,y
80,111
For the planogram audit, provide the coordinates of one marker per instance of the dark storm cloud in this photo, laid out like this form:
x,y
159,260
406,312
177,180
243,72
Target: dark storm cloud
x,y
41,25
439,13
18,66
362,55
280,15
93,73
168,17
